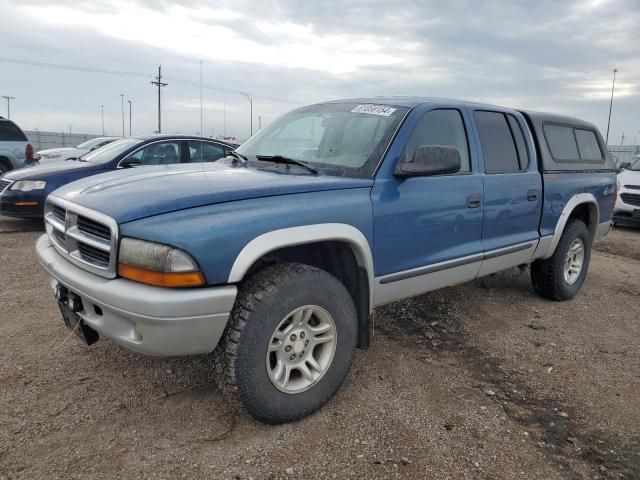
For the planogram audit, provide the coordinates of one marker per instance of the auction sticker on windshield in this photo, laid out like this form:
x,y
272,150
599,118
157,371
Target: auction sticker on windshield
x,y
382,110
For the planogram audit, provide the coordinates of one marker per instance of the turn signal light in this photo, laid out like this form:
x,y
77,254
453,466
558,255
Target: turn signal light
x,y
161,279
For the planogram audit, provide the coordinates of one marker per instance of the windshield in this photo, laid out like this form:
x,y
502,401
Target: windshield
x,y
91,143
635,166
346,139
110,151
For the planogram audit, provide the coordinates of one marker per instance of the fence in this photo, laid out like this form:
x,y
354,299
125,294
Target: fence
x,y
624,153
44,140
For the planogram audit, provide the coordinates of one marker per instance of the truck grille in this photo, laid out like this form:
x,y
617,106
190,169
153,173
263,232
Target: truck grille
x,y
85,237
631,199
4,184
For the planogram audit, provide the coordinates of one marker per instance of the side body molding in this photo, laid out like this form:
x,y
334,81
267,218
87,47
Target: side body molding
x,y
292,236
566,213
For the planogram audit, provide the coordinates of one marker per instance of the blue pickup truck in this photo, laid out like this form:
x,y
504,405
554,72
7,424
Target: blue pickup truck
x,y
273,259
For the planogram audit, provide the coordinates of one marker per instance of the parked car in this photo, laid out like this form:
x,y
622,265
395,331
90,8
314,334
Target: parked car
x,y
275,259
22,192
15,149
627,207
44,156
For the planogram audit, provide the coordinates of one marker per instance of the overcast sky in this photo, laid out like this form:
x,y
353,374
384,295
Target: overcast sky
x,y
546,55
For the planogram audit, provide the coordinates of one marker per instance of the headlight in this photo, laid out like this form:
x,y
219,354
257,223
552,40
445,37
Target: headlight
x,y
157,264
28,185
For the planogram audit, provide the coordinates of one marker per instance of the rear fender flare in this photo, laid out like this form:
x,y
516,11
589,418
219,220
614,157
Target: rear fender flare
x,y
594,220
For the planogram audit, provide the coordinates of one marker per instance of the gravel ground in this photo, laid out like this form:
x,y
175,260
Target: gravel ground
x,y
481,381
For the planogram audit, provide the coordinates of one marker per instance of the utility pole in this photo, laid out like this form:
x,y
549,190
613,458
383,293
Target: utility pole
x,y
129,117
102,115
224,117
8,105
158,83
615,70
259,122
622,139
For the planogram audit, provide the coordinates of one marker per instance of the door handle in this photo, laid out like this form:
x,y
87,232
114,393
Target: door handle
x,y
474,201
532,195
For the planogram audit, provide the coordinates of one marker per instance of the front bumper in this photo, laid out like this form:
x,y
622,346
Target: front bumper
x,y
624,212
151,320
22,204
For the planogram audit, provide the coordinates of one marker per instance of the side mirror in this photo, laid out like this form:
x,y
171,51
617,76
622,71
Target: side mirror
x,y
430,160
130,163
624,165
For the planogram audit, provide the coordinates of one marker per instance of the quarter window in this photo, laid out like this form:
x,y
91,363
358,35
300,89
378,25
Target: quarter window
x,y
498,140
441,127
10,132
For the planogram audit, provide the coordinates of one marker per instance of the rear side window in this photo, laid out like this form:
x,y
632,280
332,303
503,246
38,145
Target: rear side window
x,y
499,143
588,145
441,127
561,142
9,132
205,151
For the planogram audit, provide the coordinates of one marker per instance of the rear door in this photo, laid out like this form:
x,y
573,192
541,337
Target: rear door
x,y
512,190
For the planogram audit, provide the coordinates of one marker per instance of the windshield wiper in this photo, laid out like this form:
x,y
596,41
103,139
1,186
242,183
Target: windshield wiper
x,y
238,156
287,160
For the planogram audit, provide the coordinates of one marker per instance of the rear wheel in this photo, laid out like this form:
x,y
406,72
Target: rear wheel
x,y
289,343
561,276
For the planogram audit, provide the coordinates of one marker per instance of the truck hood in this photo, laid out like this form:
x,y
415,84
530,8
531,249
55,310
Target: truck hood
x,y
128,195
52,170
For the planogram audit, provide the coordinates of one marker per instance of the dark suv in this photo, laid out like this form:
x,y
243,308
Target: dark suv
x,y
15,149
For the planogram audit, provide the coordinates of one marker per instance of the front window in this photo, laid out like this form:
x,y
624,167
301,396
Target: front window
x,y
635,166
89,144
346,139
111,151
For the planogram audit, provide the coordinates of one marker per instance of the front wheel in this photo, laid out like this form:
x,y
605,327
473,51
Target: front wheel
x,y
289,343
561,276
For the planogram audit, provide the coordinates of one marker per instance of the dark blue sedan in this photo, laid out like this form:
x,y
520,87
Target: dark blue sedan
x,y
23,191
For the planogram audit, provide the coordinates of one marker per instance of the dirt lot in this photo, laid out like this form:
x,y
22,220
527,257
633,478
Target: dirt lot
x,y
482,381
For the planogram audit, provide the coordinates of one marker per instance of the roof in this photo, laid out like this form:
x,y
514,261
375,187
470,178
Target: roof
x,y
168,136
543,117
411,102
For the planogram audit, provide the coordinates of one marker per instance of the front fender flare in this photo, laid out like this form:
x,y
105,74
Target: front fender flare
x,y
292,236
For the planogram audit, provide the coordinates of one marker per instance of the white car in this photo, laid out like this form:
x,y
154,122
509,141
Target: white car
x,y
627,207
73,152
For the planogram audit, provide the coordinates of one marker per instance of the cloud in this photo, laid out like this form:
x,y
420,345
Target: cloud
x,y
546,55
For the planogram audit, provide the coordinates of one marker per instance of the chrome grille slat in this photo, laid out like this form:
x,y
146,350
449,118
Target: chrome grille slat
x,y
93,228
85,237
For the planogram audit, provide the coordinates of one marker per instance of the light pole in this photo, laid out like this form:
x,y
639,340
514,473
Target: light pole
x,y
8,105
250,98
129,117
122,102
102,116
613,86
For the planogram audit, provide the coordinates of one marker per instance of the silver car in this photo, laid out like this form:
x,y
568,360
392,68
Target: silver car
x,y
67,153
15,149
